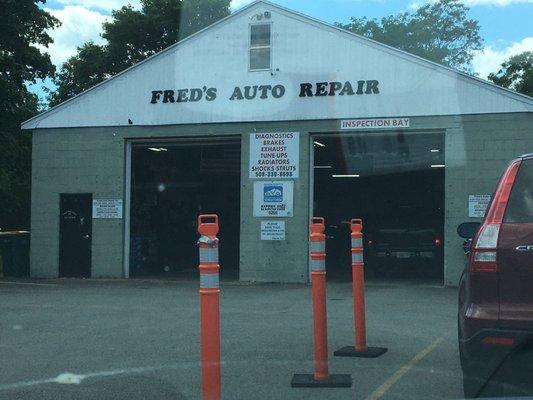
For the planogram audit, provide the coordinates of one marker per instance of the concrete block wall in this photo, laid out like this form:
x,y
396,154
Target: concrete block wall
x,y
75,161
478,149
92,160
275,261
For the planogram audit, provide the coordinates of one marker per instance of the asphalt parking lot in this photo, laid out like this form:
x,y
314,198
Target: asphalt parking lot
x,y
71,339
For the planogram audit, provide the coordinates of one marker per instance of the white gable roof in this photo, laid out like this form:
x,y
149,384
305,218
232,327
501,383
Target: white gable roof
x,y
304,50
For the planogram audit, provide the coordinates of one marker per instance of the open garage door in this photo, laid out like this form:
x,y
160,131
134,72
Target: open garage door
x,y
171,183
394,181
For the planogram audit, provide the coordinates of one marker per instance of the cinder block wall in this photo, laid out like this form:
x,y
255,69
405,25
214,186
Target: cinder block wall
x,y
92,160
75,161
478,149
275,261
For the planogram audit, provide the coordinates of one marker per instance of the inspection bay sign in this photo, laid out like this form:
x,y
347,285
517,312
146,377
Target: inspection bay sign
x,y
375,123
273,199
274,155
107,208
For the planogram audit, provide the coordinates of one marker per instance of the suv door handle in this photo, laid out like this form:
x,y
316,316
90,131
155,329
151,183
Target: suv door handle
x,y
525,247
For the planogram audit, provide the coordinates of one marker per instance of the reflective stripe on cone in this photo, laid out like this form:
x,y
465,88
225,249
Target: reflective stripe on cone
x,y
209,281
209,254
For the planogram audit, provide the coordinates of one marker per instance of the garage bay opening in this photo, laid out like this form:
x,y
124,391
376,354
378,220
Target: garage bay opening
x,y
171,184
394,181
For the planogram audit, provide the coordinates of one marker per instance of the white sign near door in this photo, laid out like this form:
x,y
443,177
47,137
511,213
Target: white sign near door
x,y
107,208
477,205
273,199
274,155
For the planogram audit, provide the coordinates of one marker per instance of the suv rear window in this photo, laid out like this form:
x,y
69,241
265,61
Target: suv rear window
x,y
520,206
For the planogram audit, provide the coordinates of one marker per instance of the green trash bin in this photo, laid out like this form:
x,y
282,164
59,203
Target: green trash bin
x,y
15,254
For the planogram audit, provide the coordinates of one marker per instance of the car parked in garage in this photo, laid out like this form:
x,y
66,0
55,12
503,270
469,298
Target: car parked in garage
x,y
495,318
405,249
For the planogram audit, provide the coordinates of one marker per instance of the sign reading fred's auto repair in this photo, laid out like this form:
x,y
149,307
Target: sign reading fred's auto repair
x,y
107,208
273,199
274,155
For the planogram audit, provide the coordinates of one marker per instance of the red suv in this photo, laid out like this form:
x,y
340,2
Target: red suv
x,y
495,319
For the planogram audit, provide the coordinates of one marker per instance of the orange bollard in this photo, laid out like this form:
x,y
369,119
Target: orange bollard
x,y
321,377
209,306
360,349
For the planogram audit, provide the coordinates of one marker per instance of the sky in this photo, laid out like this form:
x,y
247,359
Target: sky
x,y
506,25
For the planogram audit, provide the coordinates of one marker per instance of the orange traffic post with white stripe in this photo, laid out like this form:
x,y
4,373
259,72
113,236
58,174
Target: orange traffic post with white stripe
x,y
321,376
360,348
209,306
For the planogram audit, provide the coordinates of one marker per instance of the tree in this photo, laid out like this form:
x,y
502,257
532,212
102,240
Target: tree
x,y
438,31
23,26
131,36
516,73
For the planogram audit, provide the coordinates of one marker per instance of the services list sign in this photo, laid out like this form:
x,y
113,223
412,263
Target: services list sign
x,y
273,199
107,208
274,155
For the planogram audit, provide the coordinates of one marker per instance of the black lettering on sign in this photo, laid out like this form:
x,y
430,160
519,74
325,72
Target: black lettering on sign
x,y
360,86
334,87
210,94
372,87
306,90
156,94
182,96
250,92
264,91
347,89
321,89
278,91
237,94
168,96
196,94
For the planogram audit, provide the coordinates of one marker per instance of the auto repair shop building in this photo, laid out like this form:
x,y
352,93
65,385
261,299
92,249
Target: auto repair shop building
x,y
265,118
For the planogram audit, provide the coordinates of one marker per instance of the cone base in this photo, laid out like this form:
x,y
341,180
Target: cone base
x,y
309,381
370,352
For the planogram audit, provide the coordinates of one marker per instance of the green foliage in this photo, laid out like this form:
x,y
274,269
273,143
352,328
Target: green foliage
x,y
440,32
133,35
516,73
23,26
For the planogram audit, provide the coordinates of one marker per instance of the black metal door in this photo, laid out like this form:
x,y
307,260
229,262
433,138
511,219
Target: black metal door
x,y
75,231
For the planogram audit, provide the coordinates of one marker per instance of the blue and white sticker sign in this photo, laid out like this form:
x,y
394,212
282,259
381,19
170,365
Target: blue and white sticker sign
x,y
273,199
274,155
273,193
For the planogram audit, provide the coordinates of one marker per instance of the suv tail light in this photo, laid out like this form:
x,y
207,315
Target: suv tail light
x,y
484,256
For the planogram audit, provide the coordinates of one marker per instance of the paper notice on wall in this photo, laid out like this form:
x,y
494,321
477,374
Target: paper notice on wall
x,y
477,205
272,230
107,208
274,155
273,199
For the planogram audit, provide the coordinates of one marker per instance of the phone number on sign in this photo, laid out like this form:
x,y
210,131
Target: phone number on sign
x,y
273,174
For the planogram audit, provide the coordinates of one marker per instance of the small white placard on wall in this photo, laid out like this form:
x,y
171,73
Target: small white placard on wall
x,y
274,155
477,205
273,199
273,230
107,208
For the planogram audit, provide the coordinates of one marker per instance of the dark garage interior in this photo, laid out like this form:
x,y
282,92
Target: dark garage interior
x,y
171,183
395,183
